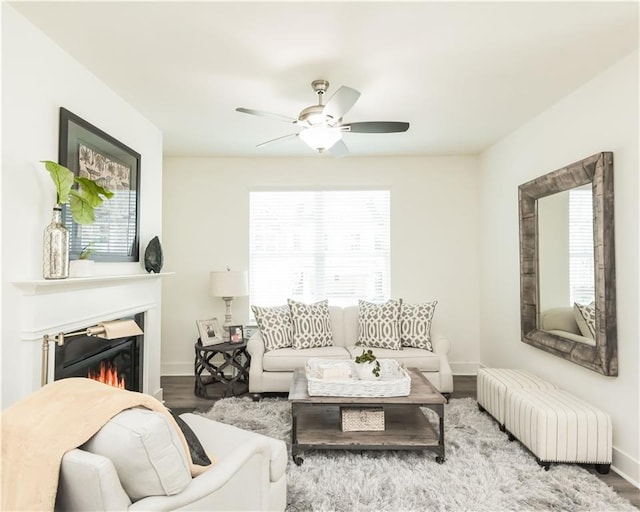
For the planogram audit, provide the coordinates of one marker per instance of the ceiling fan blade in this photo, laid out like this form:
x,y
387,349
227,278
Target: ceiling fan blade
x,y
261,113
375,127
341,102
339,149
284,137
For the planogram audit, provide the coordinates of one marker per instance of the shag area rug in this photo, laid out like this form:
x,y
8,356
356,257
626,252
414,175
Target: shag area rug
x,y
483,471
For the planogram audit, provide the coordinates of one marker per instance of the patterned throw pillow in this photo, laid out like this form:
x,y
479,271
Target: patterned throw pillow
x,y
379,324
415,324
311,324
586,319
275,326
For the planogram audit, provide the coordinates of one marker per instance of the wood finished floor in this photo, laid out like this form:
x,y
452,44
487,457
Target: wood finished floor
x,y
178,395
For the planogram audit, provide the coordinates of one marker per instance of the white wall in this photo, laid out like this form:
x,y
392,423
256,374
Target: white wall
x,y
38,77
602,115
434,237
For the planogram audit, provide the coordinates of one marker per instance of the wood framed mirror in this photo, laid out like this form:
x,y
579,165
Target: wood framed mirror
x,y
543,322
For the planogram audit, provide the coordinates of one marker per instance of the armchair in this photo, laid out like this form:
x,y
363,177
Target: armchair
x,y
249,473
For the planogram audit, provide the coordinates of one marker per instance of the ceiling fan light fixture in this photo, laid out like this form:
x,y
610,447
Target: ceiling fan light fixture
x,y
320,138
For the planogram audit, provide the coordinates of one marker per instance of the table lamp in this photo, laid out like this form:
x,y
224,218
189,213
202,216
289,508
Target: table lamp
x,y
228,284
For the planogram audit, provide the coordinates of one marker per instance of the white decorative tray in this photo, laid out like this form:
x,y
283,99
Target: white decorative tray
x,y
393,381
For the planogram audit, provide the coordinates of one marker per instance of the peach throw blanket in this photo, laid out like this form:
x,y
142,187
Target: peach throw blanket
x,y
39,430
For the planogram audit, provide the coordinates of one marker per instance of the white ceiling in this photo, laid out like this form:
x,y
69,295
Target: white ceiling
x,y
463,74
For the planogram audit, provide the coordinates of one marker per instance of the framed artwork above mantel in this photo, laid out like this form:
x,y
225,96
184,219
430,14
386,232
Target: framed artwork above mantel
x,y
89,152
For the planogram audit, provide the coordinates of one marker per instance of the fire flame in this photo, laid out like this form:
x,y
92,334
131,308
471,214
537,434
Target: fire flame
x,y
108,375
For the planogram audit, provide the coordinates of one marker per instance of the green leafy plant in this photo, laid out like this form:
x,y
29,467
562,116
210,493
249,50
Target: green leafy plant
x,y
86,251
83,200
367,356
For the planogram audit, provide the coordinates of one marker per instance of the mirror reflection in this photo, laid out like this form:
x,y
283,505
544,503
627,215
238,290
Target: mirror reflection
x,y
565,265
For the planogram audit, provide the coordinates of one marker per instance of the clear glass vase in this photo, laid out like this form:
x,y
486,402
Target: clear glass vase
x,y
55,263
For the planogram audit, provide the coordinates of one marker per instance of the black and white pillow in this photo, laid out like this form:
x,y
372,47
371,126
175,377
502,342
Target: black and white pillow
x,y
415,324
275,326
585,315
311,324
379,324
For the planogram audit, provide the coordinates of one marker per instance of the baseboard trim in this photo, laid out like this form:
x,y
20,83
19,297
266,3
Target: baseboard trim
x,y
182,370
176,369
626,466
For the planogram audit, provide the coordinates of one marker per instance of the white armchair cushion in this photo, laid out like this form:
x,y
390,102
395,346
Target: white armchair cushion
x,y
146,451
379,324
311,324
415,324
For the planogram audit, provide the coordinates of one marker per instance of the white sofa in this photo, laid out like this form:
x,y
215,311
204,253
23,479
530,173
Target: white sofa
x,y
272,371
249,473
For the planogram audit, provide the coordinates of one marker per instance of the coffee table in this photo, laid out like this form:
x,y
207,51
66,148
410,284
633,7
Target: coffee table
x,y
315,420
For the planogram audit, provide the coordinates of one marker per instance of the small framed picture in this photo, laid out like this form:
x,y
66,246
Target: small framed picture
x,y
210,333
236,334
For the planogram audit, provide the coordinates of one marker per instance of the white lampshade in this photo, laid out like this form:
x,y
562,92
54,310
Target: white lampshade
x,y
228,283
320,137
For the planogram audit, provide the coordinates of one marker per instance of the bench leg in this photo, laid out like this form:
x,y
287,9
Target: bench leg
x,y
482,409
510,436
256,397
603,469
545,465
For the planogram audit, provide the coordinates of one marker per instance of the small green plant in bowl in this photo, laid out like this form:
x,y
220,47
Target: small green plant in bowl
x,y
367,357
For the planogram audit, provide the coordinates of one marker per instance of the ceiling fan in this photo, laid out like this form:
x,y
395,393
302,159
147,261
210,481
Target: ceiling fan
x,y
322,125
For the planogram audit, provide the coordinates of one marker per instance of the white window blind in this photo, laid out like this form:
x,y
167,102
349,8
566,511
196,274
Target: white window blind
x,y
581,270
315,245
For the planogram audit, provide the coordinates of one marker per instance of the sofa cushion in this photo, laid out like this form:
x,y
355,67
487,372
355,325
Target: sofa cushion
x,y
288,359
410,357
379,324
415,324
559,319
274,324
146,451
311,324
586,318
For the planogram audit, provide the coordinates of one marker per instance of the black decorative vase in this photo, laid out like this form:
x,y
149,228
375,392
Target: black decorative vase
x,y
153,259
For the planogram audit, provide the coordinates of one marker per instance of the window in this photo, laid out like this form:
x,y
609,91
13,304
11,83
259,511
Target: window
x,y
581,271
315,245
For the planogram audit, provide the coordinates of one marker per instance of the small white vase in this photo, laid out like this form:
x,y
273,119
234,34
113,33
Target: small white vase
x,y
364,371
81,268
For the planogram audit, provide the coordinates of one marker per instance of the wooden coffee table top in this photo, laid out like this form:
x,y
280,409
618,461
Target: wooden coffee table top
x,y
422,393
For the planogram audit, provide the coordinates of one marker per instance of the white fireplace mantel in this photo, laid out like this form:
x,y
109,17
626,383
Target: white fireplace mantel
x,y
64,305
40,286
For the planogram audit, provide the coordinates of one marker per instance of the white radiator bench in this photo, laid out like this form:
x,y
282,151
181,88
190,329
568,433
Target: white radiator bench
x,y
558,427
492,385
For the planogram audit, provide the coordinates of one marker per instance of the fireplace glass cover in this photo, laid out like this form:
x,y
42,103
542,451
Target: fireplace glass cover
x,y
115,362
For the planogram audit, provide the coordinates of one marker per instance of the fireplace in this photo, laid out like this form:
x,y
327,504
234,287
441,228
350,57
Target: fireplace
x,y
116,362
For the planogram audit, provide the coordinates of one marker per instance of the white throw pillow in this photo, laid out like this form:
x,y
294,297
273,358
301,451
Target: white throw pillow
x,y
275,326
146,451
379,324
311,324
586,319
415,324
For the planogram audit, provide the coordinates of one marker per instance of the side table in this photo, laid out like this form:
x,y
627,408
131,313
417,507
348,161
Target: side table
x,y
235,355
